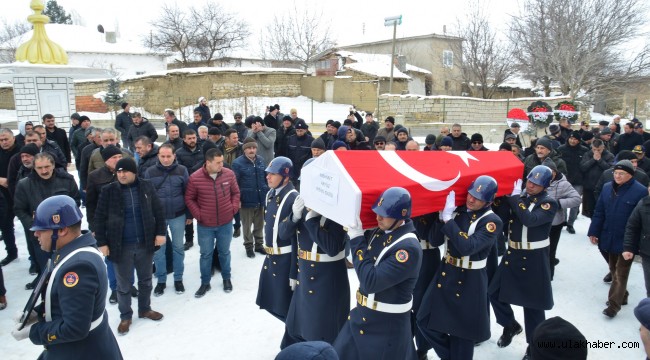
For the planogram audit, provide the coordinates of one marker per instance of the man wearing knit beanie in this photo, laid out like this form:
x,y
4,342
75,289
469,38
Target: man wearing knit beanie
x,y
429,142
126,164
572,153
446,143
136,226
607,229
544,149
110,151
388,130
317,147
477,143
552,338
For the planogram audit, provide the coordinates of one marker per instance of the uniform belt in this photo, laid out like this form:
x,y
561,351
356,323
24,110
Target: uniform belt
x,y
96,322
278,251
529,245
465,263
426,246
383,307
316,257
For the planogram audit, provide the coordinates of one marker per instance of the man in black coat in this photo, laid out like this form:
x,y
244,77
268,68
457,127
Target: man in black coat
x,y
141,127
59,136
572,153
593,163
8,148
43,182
460,139
270,119
170,118
129,224
370,128
190,154
148,153
629,138
203,109
299,150
283,133
123,123
514,130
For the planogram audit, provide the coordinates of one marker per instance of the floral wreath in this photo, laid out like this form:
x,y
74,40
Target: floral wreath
x,y
567,109
540,113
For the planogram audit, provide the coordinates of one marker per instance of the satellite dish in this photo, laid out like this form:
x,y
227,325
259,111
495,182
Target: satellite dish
x,y
100,28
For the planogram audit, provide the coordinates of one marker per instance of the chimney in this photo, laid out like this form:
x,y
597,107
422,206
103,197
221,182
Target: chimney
x,y
111,38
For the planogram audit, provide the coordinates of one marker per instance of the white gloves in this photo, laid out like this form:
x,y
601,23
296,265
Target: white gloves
x,y
450,207
516,191
297,208
33,317
21,334
354,232
292,284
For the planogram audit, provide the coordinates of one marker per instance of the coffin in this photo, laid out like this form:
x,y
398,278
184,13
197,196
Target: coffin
x,y
343,185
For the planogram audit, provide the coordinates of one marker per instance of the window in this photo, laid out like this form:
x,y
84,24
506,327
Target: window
x,y
448,58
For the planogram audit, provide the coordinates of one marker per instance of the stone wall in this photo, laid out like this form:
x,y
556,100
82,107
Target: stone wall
x,y
7,98
177,89
452,109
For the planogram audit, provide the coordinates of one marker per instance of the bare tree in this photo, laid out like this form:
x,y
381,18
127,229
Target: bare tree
x,y
579,43
486,62
218,33
197,34
9,33
298,36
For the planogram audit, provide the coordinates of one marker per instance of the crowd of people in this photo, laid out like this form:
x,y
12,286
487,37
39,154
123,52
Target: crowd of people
x,y
143,198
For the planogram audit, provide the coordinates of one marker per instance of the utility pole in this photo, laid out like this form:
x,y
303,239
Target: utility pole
x,y
392,21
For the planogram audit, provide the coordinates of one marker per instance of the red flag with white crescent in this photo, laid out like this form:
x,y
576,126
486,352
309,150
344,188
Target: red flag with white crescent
x,y
343,185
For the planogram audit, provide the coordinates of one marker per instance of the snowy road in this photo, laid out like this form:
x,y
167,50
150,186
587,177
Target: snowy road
x,y
230,326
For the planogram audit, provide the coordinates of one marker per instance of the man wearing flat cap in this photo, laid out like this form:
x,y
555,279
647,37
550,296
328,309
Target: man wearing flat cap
x,y
607,229
513,130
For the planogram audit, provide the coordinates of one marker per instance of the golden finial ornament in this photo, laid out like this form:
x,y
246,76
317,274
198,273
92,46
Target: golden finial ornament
x,y
40,49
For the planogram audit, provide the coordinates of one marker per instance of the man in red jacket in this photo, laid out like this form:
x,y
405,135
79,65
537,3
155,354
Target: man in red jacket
x,y
212,196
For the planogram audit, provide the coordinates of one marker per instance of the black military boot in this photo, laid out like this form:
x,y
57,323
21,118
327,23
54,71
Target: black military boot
x,y
508,333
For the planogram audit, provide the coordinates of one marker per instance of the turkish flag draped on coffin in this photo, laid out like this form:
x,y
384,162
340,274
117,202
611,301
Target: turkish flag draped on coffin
x,y
343,185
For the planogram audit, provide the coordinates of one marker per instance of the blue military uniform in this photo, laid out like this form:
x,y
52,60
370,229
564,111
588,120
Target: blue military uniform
x,y
379,327
76,326
524,274
280,265
454,312
426,227
321,299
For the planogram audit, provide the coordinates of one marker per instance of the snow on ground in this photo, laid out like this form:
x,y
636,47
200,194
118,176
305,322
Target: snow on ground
x,y
231,326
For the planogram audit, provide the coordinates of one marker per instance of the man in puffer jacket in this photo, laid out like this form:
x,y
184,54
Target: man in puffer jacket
x,y
212,196
170,180
251,178
567,197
